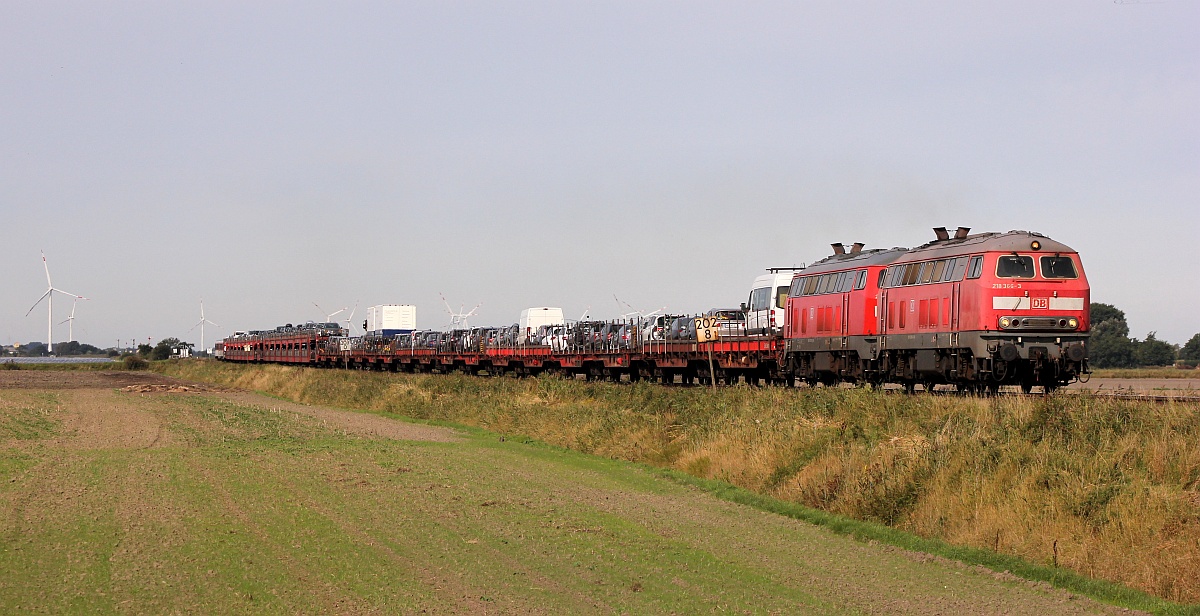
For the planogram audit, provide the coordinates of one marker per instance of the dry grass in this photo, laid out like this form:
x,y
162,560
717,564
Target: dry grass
x,y
1166,372
1108,488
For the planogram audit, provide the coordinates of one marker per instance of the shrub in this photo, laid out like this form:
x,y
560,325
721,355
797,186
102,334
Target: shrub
x,y
133,362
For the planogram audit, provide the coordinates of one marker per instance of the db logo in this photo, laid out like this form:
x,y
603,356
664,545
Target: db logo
x,y
1042,303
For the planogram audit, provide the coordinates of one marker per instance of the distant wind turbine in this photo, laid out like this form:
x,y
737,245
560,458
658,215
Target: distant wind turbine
x,y
71,319
459,318
350,319
200,324
329,317
49,297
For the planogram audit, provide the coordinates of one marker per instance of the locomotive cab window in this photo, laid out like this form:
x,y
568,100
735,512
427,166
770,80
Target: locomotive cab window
x,y
1014,266
1058,267
860,280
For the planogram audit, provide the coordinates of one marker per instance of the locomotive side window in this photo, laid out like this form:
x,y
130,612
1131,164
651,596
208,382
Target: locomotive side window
x,y
936,275
882,278
823,284
953,265
845,281
860,280
797,287
927,272
1058,267
976,268
810,285
1014,266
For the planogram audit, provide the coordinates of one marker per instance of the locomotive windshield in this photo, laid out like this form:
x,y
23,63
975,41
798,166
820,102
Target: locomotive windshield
x,y
1058,267
1014,266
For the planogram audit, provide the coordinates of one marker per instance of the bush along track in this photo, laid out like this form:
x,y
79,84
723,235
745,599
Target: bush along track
x,y
1051,489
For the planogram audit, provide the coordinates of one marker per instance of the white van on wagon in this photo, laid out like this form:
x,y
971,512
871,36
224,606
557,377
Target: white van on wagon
x,y
533,318
768,301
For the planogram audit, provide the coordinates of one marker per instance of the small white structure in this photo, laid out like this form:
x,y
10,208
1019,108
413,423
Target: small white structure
x,y
533,318
391,319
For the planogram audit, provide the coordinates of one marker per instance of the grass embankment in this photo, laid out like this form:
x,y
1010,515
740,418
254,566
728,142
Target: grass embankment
x,y
1107,488
1168,372
114,502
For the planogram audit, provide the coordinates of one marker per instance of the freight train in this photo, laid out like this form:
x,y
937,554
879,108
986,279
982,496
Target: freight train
x,y
971,311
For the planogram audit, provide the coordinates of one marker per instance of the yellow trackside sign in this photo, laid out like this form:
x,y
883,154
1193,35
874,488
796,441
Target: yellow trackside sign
x,y
708,329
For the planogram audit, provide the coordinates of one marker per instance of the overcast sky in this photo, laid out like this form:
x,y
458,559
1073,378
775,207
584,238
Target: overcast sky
x,y
265,156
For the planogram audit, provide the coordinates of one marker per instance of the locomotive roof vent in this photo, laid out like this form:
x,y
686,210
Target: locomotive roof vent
x,y
962,232
838,249
941,233
856,248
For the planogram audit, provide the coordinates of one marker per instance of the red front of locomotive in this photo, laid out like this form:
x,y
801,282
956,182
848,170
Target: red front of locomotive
x,y
1015,304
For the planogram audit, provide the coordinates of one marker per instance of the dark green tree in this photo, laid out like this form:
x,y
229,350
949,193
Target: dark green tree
x,y
1099,313
33,349
1191,350
162,350
145,350
1154,352
1110,345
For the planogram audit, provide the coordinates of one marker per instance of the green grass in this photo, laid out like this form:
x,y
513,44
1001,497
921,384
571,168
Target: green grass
x,y
1002,483
242,509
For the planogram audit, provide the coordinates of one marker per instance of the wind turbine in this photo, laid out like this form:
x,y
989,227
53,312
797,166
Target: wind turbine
x,y
350,319
329,317
635,311
459,318
200,323
49,297
71,319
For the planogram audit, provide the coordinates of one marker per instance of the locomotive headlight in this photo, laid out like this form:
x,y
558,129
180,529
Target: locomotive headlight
x,y
1005,322
1036,245
1072,323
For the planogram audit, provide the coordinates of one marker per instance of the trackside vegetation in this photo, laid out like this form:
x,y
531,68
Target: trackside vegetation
x,y
146,500
1069,489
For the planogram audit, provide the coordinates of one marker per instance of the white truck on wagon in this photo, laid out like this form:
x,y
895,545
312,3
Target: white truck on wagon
x,y
387,320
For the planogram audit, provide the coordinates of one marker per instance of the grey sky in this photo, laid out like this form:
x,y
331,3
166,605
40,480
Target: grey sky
x,y
265,156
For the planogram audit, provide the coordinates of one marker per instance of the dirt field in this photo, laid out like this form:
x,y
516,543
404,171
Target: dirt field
x,y
135,493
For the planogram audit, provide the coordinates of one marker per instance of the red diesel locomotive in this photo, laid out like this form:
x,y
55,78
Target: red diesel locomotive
x,y
977,311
